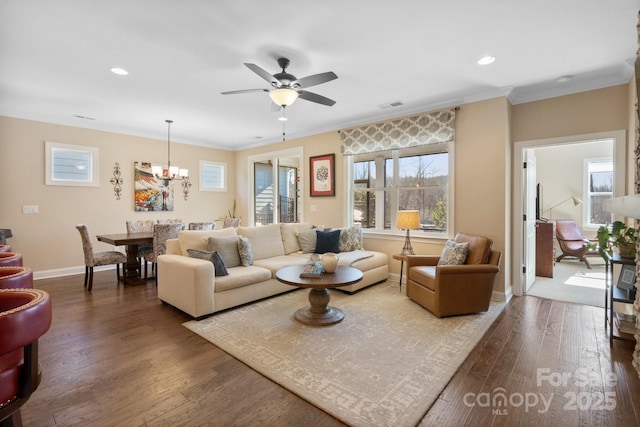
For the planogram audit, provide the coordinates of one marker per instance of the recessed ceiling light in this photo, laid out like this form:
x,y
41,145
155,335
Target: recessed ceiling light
x,y
119,71
486,60
283,119
564,79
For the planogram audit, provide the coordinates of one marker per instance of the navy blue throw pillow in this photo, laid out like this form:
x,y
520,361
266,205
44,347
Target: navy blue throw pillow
x,y
327,241
214,257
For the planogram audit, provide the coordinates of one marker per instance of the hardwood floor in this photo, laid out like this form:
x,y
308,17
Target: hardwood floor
x,y
117,357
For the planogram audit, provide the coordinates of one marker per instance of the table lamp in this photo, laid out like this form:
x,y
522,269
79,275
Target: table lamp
x,y
408,220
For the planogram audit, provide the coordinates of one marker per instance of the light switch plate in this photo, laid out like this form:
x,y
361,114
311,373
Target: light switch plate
x,y
30,209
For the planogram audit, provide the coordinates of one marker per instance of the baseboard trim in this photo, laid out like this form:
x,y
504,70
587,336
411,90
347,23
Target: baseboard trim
x,y
69,271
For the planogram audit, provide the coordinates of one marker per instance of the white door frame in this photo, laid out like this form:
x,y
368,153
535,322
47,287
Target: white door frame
x,y
517,224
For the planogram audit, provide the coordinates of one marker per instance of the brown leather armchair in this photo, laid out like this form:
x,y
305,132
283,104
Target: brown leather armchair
x,y
449,290
572,243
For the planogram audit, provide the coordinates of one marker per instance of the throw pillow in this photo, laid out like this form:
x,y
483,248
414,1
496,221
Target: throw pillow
x,y
218,265
245,251
327,241
227,247
307,240
350,239
454,253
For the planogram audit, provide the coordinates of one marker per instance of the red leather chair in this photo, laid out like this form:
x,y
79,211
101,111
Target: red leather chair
x,y
16,277
5,248
10,259
25,315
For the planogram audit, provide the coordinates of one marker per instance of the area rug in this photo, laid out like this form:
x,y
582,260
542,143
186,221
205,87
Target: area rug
x,y
573,282
383,365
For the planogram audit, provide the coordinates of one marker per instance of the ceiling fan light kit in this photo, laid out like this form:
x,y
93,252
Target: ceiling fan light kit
x,y
283,96
287,87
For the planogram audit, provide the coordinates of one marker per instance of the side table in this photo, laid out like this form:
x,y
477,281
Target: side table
x,y
402,259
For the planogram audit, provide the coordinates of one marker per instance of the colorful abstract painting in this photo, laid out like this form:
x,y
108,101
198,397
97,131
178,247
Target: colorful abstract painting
x,y
151,194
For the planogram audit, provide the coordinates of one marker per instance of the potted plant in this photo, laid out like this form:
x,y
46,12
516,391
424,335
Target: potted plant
x,y
231,219
618,235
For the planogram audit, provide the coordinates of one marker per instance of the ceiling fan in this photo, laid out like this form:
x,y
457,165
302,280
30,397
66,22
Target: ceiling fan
x,y
287,87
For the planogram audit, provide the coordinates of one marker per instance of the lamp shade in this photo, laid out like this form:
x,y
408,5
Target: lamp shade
x,y
628,206
408,220
283,96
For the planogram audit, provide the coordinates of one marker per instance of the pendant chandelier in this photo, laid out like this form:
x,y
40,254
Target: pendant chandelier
x,y
171,172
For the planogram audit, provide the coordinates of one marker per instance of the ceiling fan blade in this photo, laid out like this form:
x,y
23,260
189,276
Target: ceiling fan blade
x,y
314,97
315,79
233,92
262,73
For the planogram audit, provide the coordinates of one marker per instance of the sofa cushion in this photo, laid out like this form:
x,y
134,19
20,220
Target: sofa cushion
x,y
327,241
307,240
350,239
215,258
245,251
227,247
454,253
266,241
479,248
241,276
198,239
276,263
289,233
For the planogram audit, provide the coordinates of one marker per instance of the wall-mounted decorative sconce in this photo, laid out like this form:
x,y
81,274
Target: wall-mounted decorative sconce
x,y
185,187
117,181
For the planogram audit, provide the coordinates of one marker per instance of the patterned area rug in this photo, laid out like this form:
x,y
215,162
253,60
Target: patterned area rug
x,y
383,365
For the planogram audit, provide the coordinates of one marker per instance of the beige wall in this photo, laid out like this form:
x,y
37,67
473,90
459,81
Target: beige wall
x,y
48,240
582,113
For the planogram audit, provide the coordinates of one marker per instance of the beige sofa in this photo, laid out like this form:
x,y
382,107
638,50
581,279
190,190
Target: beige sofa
x,y
190,284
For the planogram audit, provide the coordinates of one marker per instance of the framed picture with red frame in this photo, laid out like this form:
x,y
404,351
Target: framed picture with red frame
x,y
323,175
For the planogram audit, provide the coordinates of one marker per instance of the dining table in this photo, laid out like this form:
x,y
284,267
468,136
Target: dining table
x,y
132,241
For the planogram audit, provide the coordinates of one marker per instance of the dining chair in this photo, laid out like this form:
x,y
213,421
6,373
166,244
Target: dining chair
x,y
170,221
25,315
140,226
92,259
161,233
202,225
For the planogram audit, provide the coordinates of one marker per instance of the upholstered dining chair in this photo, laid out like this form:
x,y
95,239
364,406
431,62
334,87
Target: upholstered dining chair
x,y
454,289
170,221
572,243
13,277
93,259
25,315
140,226
202,225
161,233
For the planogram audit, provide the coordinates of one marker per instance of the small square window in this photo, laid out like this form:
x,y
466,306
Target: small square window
x,y
71,165
213,176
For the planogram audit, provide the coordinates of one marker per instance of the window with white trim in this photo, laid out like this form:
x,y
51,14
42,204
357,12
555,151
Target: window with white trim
x,y
599,180
213,176
403,179
71,165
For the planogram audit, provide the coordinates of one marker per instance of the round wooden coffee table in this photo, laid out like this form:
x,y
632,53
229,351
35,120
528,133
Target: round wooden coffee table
x,y
319,313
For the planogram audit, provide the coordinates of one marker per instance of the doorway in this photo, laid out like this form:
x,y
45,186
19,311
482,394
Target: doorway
x,y
274,183
556,161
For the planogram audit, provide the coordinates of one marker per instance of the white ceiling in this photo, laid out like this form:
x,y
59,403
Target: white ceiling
x,y
55,58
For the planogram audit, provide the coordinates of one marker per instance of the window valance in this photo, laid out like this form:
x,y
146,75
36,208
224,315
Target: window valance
x,y
427,128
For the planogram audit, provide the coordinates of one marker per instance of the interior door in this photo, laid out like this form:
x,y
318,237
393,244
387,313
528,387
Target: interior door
x,y
529,209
